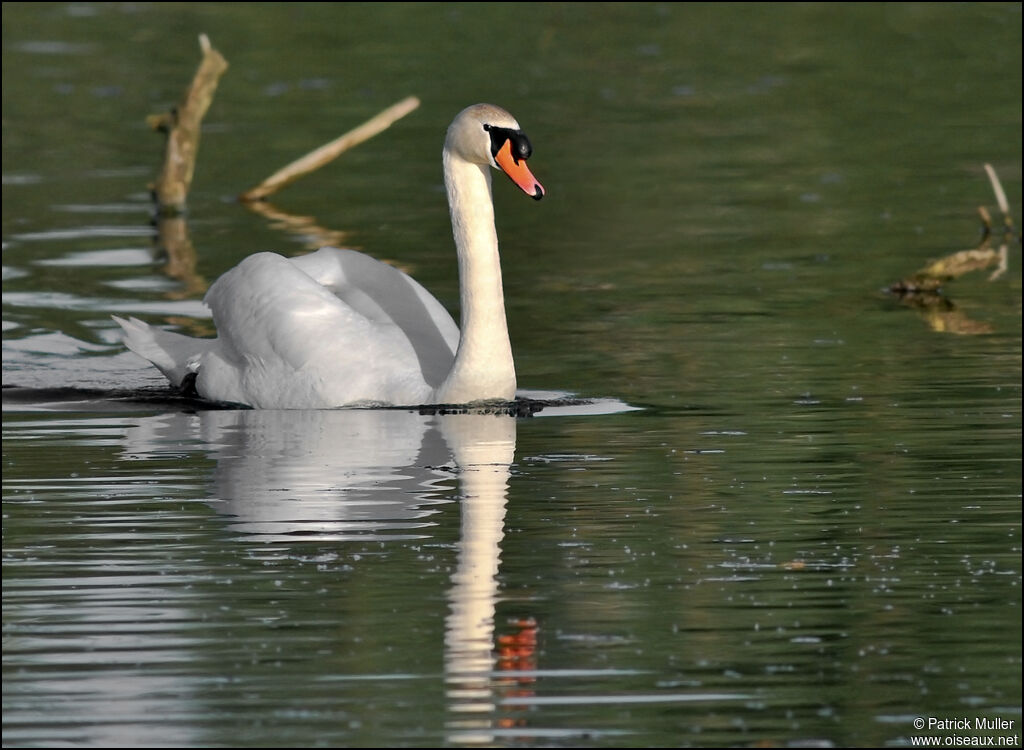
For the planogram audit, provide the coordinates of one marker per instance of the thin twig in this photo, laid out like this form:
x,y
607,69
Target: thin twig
x,y
330,151
997,188
1004,205
1003,263
986,224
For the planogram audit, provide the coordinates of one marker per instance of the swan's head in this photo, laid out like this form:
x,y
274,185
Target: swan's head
x,y
486,134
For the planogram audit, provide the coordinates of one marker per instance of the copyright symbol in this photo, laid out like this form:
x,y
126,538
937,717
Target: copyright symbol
x,y
918,723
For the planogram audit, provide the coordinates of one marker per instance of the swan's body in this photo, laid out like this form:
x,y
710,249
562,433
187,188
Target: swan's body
x,y
338,328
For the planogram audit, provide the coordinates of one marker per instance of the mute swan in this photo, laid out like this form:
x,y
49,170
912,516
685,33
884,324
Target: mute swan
x,y
338,328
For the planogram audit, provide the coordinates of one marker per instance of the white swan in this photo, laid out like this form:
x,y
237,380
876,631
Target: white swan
x,y
338,328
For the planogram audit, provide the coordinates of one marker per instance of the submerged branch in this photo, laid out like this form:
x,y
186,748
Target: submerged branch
x,y
182,126
330,151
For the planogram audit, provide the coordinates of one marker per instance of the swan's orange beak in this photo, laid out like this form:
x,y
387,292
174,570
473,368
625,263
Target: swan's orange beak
x,y
518,171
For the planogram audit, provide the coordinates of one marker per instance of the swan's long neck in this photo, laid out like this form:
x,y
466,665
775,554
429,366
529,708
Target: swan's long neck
x,y
483,367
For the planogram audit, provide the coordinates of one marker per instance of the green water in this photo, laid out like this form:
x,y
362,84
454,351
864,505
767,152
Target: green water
x,y
807,533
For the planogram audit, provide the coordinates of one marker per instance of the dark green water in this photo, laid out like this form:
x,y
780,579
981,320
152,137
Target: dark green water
x,y
809,531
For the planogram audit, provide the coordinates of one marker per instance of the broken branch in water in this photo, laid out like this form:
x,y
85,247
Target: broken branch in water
x,y
952,266
182,125
923,290
330,151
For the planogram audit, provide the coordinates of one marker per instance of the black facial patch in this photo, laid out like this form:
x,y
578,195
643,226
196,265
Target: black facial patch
x,y
521,148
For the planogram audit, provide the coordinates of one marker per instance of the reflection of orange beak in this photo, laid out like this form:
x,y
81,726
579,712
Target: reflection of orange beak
x,y
519,172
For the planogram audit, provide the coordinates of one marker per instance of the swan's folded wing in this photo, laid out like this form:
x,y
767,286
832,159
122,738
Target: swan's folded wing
x,y
333,319
268,311
386,295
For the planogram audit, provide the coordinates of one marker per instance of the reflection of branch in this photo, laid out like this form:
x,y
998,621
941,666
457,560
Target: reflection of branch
x,y
939,312
173,241
312,235
953,320
330,151
182,125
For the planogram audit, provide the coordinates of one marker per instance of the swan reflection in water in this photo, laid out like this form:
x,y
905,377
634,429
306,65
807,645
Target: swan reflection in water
x,y
365,475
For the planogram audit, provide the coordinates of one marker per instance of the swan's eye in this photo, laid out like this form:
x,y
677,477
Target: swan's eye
x,y
521,148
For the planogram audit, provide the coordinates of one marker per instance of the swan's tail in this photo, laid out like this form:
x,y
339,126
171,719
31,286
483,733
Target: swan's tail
x,y
174,355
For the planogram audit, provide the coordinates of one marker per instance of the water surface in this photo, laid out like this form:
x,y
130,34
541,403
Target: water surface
x,y
807,529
